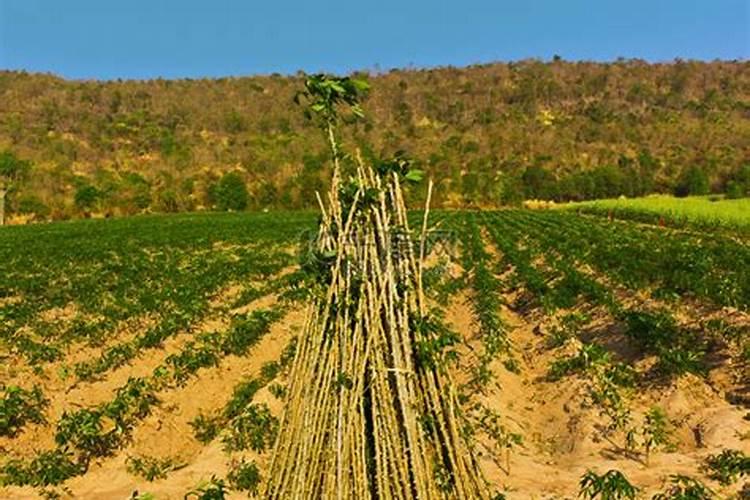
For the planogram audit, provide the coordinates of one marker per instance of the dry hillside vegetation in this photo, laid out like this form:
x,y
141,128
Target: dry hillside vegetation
x,y
490,134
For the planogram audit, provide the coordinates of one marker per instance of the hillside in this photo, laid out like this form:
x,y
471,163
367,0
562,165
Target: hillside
x,y
491,134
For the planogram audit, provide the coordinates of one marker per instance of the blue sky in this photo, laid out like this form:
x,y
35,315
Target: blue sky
x,y
191,38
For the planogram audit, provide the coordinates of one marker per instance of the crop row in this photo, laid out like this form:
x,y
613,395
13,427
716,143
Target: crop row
x,y
713,268
486,299
654,329
149,266
120,353
99,430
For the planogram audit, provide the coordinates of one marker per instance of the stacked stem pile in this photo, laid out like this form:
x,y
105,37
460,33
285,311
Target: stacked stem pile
x,y
370,413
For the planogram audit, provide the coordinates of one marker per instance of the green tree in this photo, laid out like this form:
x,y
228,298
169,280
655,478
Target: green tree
x,y
692,182
470,187
609,181
309,180
12,169
231,192
267,195
137,191
739,185
32,205
86,197
167,201
734,190
538,182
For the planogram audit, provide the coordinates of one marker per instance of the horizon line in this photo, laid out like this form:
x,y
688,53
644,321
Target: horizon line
x,y
376,71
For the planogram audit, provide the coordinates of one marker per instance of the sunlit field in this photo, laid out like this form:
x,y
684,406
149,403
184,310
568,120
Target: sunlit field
x,y
155,352
703,211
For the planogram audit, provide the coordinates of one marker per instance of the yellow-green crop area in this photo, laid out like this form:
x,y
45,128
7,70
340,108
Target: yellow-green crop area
x,y
152,353
701,211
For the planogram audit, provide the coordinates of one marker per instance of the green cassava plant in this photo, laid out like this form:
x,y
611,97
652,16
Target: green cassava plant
x,y
278,391
213,489
588,356
255,428
19,406
490,423
151,468
244,476
727,466
655,431
612,485
325,96
684,488
568,328
206,427
45,469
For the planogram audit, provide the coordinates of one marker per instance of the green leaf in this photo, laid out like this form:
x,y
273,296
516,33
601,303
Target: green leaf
x,y
357,111
360,85
414,175
337,87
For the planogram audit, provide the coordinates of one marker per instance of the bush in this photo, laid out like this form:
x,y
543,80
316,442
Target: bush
x,y
692,182
30,204
86,197
230,193
167,201
735,190
11,167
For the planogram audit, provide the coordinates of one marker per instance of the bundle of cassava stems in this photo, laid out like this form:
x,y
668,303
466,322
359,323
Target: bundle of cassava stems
x,y
366,416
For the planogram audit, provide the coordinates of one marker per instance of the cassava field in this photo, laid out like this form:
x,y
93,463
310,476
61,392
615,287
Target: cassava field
x,y
149,357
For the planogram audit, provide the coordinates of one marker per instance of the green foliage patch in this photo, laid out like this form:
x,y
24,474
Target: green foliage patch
x,y
19,406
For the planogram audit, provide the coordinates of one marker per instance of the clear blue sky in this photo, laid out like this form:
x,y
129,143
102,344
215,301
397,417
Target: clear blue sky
x,y
193,38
